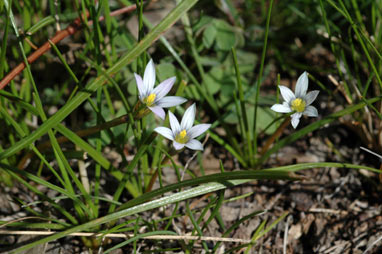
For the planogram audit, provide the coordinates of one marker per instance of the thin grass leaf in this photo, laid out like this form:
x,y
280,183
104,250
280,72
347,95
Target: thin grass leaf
x,y
11,171
346,14
236,225
63,61
267,229
243,114
216,211
4,44
20,102
196,227
228,147
259,78
63,164
128,174
140,236
260,231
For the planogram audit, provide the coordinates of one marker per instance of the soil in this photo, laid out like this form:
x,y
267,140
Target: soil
x,y
332,210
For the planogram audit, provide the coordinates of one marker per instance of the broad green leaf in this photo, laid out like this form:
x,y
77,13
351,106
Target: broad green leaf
x,y
209,36
165,71
225,36
212,80
202,23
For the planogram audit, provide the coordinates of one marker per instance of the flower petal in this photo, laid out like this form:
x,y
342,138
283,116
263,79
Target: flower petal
x,y
177,145
158,111
188,118
287,94
165,132
149,77
163,88
194,145
302,85
311,96
198,130
141,88
281,108
170,101
295,119
310,111
174,123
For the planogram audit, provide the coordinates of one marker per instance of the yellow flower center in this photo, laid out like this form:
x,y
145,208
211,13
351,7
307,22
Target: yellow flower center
x,y
181,137
149,100
298,105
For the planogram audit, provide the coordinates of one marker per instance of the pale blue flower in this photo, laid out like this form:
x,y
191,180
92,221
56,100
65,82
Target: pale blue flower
x,y
155,98
298,102
184,134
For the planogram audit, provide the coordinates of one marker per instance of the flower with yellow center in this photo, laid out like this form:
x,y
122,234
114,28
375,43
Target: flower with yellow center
x,y
181,137
298,102
184,134
149,100
298,105
155,98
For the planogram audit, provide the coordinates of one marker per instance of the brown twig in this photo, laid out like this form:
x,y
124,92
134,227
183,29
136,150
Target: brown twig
x,y
60,35
138,113
121,235
71,29
155,174
81,133
275,135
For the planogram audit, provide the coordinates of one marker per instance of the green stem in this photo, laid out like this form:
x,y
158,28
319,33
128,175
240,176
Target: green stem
x,y
242,106
261,75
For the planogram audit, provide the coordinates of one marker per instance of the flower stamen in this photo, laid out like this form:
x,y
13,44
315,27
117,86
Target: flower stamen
x,y
181,137
149,100
298,105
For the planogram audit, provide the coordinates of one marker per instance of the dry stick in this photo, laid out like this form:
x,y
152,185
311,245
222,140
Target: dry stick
x,y
71,29
138,113
275,135
157,237
286,230
375,154
21,219
81,133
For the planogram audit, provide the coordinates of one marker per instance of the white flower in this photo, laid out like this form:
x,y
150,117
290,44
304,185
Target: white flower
x,y
155,98
299,102
184,134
